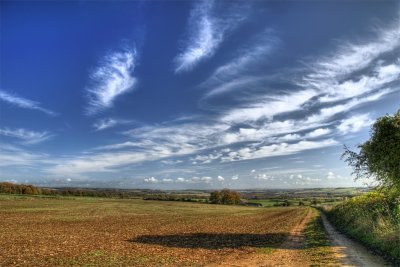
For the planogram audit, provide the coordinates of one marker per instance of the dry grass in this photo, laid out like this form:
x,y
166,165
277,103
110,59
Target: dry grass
x,y
107,232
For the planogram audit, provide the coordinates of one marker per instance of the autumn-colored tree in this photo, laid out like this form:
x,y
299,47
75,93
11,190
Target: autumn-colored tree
x,y
225,196
216,197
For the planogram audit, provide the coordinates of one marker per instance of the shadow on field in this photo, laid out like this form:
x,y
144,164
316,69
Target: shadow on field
x,y
213,241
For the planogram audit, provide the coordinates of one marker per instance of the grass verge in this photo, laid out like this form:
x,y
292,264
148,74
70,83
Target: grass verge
x,y
318,246
374,220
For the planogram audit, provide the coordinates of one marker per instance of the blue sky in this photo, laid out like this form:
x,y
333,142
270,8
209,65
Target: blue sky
x,y
201,94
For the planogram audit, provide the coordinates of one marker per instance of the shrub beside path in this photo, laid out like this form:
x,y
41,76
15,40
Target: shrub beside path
x,y
349,252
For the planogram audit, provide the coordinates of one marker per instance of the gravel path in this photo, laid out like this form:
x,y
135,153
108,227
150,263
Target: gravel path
x,y
348,252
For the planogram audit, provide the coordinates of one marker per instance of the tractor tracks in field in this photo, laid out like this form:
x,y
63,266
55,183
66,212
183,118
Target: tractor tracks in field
x,y
290,253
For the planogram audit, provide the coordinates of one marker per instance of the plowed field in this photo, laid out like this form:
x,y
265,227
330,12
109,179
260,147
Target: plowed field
x,y
107,232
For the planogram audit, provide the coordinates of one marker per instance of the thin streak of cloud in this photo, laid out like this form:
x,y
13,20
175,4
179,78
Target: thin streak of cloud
x,y
27,137
268,108
273,150
15,156
107,123
24,103
251,57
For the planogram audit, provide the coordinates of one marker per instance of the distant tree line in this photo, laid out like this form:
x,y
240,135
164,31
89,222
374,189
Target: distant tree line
x,y
11,188
225,196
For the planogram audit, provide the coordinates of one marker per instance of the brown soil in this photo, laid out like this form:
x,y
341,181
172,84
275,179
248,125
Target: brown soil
x,y
290,253
102,232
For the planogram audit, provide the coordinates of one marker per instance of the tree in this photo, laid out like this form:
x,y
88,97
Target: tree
x,y
379,157
216,197
225,196
230,197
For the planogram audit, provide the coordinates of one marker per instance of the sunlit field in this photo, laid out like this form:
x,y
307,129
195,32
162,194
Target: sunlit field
x,y
92,231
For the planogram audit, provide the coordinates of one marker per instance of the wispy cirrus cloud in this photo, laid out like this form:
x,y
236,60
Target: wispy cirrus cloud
x,y
24,103
96,163
14,156
27,137
251,57
273,150
269,107
381,76
112,78
106,123
327,88
355,69
206,33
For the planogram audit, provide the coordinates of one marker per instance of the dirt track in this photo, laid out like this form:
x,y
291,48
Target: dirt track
x,y
291,253
348,252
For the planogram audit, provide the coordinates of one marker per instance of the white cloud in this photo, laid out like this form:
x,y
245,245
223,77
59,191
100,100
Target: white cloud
x,y
106,123
327,113
332,176
167,180
150,180
233,75
289,137
95,163
112,78
27,137
381,76
14,156
180,139
180,180
171,162
318,132
235,177
352,57
220,178
274,150
206,179
268,107
338,76
355,123
24,103
203,159
231,85
206,33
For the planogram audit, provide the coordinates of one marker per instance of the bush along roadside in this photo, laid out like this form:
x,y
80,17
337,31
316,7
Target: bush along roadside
x,y
373,219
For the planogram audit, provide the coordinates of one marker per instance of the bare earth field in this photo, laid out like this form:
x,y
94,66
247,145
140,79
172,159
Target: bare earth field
x,y
108,232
